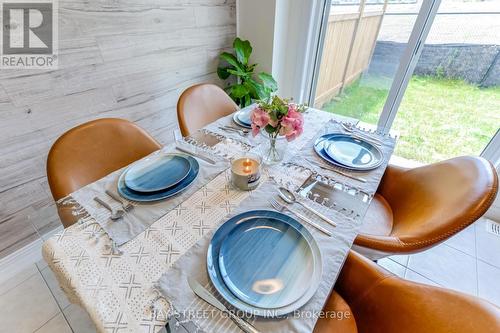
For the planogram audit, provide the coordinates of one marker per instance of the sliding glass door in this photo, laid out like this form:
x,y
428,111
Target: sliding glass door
x,y
358,63
451,105
426,69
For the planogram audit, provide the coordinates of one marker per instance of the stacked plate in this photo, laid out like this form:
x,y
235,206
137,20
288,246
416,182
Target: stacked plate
x,y
264,263
158,177
348,152
242,117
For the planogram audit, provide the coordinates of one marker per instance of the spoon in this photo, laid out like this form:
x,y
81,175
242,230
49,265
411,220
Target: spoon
x,y
115,214
240,131
290,198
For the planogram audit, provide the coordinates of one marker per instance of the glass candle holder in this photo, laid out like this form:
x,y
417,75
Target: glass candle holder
x,y
245,172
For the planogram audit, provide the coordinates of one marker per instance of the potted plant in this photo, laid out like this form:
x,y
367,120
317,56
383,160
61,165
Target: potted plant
x,y
280,121
247,88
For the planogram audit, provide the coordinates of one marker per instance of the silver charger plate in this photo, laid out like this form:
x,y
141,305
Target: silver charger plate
x,y
348,152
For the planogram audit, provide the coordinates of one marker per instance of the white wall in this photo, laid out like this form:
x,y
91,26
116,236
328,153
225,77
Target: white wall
x,y
255,22
283,40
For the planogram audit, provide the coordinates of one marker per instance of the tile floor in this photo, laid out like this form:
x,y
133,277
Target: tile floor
x,y
469,262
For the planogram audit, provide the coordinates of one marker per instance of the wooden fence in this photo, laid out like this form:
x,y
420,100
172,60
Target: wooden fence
x,y
349,43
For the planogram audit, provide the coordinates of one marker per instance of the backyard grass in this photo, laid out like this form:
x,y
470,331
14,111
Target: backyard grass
x,y
438,118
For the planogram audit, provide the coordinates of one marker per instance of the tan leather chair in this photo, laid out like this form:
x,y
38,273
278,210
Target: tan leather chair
x,y
379,302
92,150
202,104
415,209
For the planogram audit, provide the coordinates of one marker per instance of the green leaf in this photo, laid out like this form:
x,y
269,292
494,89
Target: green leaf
x,y
231,59
256,89
239,91
251,67
243,50
248,100
268,81
223,73
237,73
269,129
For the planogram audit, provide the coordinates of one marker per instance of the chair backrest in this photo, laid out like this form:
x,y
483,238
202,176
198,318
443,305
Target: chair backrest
x,y
383,302
92,150
436,200
202,104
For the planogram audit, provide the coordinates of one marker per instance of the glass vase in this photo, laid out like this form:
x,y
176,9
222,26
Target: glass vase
x,y
273,149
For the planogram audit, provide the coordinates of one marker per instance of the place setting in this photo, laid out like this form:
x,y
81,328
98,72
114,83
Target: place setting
x,y
260,263
236,126
138,195
345,152
242,116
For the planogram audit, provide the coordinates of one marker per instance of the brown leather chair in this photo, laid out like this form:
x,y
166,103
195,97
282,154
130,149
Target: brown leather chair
x,y
415,209
373,300
202,104
92,150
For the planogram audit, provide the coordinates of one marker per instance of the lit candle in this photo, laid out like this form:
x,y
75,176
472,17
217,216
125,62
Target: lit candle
x,y
245,173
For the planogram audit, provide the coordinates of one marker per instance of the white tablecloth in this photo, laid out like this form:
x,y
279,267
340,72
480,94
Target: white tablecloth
x,y
117,290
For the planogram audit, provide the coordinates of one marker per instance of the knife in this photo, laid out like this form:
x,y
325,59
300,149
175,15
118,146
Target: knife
x,y
184,150
204,294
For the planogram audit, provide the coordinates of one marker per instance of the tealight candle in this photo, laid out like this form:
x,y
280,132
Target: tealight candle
x,y
245,173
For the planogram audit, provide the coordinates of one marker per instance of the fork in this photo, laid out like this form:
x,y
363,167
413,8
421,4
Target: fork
x,y
280,208
354,131
125,205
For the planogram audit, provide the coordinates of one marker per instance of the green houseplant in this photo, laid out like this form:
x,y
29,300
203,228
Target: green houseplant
x,y
247,87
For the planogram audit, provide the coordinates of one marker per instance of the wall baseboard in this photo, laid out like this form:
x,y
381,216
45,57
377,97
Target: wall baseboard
x,y
20,260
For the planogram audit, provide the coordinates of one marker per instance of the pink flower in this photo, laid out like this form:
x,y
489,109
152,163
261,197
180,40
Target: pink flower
x,y
292,125
292,107
260,119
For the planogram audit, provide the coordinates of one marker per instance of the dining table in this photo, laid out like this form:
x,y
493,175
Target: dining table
x,y
130,275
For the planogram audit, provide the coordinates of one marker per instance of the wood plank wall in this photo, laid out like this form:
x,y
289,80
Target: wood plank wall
x,y
118,58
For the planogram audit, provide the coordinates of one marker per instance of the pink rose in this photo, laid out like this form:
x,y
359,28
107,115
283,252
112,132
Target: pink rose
x,y
292,125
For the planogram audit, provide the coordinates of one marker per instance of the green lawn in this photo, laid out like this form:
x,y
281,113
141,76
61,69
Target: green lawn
x,y
438,118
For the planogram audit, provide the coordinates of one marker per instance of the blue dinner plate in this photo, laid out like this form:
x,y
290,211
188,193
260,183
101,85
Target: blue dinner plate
x,y
239,122
130,194
266,262
157,172
270,282
348,152
244,116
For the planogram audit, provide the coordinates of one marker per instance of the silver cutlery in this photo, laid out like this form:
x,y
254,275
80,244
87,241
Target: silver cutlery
x,y
242,132
356,133
291,199
280,208
115,214
125,205
345,174
201,157
204,294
